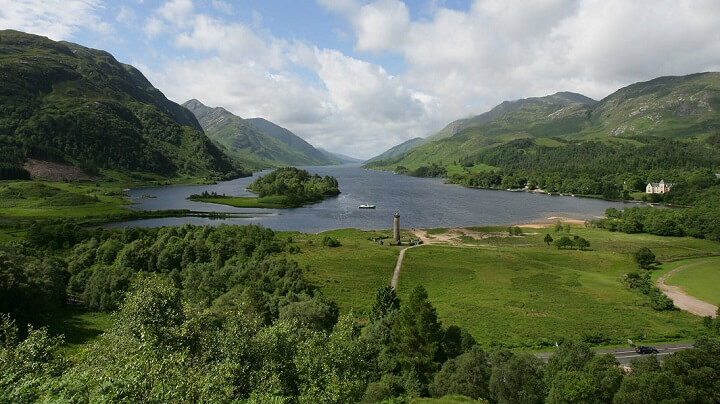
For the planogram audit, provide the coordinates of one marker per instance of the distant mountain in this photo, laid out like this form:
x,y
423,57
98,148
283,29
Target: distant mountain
x,y
294,141
398,150
64,102
248,141
677,107
340,158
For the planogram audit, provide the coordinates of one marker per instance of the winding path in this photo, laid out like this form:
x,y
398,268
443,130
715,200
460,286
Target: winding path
x,y
681,299
398,265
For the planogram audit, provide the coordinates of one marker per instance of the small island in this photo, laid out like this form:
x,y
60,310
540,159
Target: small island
x,y
286,187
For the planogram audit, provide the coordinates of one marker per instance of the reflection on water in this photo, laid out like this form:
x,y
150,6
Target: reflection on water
x,y
422,203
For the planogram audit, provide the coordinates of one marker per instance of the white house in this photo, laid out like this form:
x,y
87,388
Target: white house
x,y
658,187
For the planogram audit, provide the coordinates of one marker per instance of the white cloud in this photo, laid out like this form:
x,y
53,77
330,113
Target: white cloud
x,y
56,19
223,6
176,11
382,25
469,61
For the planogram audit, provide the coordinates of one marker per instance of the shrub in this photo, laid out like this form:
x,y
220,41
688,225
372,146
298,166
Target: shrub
x,y
331,242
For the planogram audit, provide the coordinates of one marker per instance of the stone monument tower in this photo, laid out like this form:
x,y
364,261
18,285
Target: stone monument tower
x,y
396,227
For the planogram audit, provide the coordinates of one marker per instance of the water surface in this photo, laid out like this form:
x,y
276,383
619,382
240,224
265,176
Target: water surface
x,y
422,203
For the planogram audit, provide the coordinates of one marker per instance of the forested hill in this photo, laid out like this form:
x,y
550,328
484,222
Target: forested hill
x,y
681,108
65,102
257,142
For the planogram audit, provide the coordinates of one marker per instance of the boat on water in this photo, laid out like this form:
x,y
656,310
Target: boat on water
x,y
364,206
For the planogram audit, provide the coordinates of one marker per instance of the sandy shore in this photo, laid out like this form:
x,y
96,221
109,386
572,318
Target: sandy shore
x,y
551,222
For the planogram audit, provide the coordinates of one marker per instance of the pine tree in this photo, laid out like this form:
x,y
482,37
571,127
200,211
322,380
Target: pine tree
x,y
418,336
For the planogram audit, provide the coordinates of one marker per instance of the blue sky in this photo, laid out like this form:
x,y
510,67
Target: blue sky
x,y
359,76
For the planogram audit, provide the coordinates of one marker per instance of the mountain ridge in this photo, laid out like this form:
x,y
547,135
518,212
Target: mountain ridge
x,y
251,144
66,102
670,106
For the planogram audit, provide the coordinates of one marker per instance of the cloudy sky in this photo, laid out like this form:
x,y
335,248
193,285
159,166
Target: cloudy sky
x,y
358,77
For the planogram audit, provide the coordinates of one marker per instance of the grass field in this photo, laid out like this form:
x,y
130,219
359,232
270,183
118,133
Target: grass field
x,y
79,326
267,202
701,280
349,274
27,199
515,291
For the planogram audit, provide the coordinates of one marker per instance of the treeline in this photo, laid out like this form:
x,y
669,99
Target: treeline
x,y
161,349
295,184
591,167
433,170
702,220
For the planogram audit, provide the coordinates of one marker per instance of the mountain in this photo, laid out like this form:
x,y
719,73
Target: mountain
x,y
678,107
398,150
294,141
64,102
248,141
339,157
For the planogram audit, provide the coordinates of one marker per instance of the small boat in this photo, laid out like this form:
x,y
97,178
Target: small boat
x,y
367,206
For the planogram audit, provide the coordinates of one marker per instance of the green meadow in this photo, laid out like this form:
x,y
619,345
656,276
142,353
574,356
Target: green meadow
x,y
513,291
351,273
699,280
41,199
267,202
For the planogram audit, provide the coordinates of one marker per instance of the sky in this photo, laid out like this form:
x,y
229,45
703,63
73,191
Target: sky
x,y
360,76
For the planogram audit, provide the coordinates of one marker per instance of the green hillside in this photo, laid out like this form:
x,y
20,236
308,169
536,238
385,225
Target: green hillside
x,y
65,102
295,142
250,142
670,107
398,150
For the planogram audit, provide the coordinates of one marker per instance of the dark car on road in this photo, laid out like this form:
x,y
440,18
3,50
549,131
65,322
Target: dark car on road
x,y
645,350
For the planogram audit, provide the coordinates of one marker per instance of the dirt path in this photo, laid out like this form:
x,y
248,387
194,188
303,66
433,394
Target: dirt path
x,y
681,299
398,265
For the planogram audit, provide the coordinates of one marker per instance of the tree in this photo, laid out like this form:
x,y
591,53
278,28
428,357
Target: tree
x,y
468,374
457,341
316,314
27,364
571,355
517,378
333,369
582,244
386,300
558,226
418,336
644,258
548,239
563,242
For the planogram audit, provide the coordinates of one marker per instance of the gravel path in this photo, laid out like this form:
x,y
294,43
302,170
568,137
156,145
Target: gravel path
x,y
681,299
398,265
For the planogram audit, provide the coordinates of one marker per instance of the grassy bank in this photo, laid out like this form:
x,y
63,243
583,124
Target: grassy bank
x,y
267,202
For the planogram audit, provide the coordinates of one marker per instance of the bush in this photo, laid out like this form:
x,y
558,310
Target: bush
x,y
331,242
644,258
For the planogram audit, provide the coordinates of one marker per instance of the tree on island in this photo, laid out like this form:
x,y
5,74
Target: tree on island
x,y
548,239
295,184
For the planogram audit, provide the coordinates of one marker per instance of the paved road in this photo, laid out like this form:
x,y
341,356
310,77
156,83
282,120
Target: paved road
x,y
625,355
